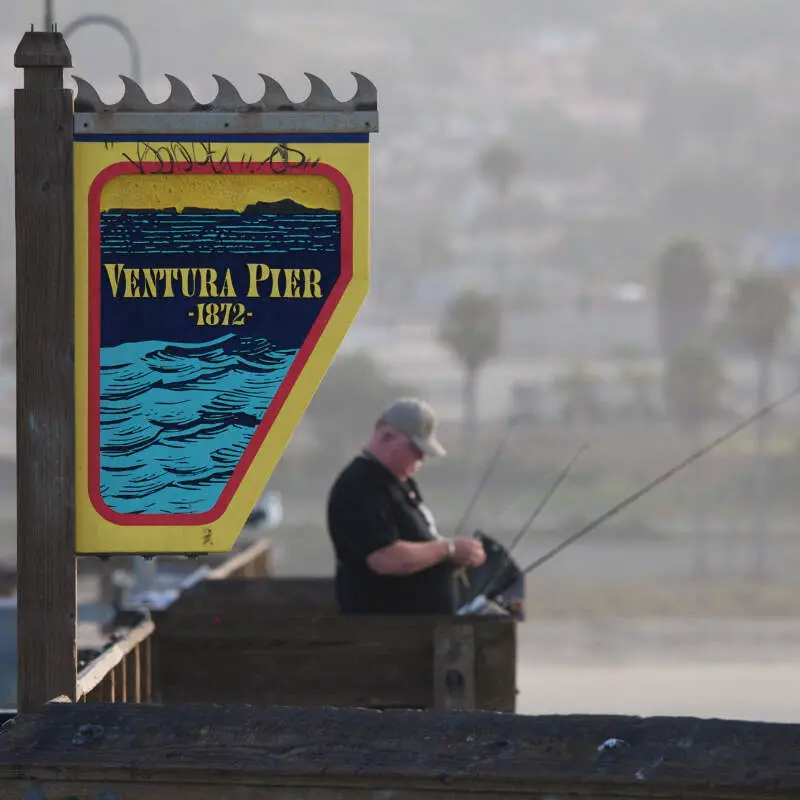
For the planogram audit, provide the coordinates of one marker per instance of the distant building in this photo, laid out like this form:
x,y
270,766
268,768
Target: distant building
x,y
778,252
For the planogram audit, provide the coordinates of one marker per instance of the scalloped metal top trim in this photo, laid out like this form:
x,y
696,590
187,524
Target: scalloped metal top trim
x,y
321,110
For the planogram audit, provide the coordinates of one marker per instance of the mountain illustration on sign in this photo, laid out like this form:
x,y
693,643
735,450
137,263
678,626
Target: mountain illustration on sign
x,y
179,402
285,206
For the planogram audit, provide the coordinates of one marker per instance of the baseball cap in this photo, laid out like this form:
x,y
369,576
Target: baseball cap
x,y
414,418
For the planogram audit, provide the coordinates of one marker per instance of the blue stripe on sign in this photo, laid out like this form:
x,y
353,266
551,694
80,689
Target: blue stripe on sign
x,y
306,138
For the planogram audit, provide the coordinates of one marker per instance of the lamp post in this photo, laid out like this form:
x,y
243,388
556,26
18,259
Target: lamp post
x,y
106,20
115,24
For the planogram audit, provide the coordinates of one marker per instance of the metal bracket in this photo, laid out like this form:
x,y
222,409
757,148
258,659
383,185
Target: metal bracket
x,y
320,112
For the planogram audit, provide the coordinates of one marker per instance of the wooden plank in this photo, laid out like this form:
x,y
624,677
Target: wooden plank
x,y
110,683
377,662
253,561
146,660
46,573
133,676
357,750
454,666
122,680
101,790
267,596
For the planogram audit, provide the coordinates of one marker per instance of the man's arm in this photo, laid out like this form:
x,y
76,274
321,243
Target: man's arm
x,y
366,533
406,558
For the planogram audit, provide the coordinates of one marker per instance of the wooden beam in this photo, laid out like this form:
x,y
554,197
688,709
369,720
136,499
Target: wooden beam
x,y
133,676
46,574
275,596
252,562
454,666
168,752
146,660
254,656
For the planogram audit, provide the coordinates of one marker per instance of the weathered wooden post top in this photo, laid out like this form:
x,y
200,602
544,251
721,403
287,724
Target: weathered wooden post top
x,y
46,585
221,253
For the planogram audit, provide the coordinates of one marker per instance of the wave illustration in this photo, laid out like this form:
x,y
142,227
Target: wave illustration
x,y
175,419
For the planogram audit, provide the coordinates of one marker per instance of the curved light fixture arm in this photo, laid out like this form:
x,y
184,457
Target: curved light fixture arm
x,y
121,28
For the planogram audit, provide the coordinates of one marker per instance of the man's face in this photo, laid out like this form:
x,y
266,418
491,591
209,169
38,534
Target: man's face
x,y
401,455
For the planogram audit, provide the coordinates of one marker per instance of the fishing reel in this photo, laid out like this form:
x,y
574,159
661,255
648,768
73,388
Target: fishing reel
x,y
496,587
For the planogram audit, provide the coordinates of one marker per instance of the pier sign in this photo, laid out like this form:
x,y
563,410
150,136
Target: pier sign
x,y
215,277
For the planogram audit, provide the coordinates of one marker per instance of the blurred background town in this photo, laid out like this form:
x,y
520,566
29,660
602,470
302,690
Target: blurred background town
x,y
585,224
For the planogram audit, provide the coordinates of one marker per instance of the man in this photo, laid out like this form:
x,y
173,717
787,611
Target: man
x,y
390,558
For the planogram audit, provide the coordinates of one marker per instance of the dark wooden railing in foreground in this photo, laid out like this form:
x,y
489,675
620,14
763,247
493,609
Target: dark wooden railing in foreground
x,y
122,673
206,752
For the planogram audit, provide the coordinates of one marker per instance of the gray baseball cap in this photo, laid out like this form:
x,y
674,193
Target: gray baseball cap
x,y
414,418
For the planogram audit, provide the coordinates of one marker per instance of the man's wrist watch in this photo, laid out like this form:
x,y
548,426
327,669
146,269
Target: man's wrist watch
x,y
451,548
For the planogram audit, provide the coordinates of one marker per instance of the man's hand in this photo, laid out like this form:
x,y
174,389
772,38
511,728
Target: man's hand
x,y
468,552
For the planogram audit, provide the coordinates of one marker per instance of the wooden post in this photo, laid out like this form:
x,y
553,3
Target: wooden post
x,y
133,677
454,666
146,670
46,569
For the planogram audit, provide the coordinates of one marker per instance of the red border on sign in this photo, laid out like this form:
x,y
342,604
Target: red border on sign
x,y
281,396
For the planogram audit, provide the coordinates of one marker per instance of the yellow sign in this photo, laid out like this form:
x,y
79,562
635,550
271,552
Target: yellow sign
x,y
215,279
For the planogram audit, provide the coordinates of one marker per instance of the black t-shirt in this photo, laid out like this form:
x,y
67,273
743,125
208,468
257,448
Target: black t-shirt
x,y
368,509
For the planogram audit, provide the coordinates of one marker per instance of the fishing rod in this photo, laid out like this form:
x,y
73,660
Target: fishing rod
x,y
479,601
490,467
505,553
544,501
614,510
514,506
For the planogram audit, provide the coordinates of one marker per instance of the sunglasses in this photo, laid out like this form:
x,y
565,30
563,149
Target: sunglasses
x,y
419,454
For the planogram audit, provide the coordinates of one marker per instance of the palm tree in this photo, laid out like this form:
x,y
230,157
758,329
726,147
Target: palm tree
x,y
640,381
471,327
684,282
499,164
694,380
760,313
578,393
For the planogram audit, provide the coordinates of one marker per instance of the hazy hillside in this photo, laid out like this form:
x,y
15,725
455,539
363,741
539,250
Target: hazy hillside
x,y
634,122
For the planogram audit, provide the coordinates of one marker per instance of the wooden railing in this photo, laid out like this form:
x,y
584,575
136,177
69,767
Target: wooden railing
x,y
254,561
238,634
176,752
283,641
123,672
